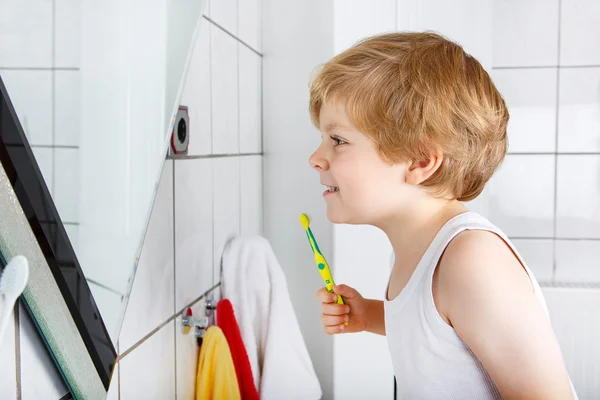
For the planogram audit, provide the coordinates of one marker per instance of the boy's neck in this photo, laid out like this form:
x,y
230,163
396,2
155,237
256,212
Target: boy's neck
x,y
412,231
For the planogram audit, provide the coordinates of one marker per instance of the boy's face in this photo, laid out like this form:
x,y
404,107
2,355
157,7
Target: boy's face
x,y
367,189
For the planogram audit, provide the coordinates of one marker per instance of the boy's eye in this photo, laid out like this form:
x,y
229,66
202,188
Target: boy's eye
x,y
338,141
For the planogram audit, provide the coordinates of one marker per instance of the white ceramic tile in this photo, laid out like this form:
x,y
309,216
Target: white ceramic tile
x,y
67,108
578,196
356,19
113,389
26,34
530,95
580,32
31,94
148,372
250,101
224,13
226,209
519,198
110,306
538,255
40,378
249,31
578,261
579,110
224,89
251,195
187,356
196,94
518,40
151,300
576,322
66,183
67,33
193,229
44,156
8,376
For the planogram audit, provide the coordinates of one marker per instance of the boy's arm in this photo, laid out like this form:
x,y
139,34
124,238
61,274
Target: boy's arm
x,y
485,293
375,317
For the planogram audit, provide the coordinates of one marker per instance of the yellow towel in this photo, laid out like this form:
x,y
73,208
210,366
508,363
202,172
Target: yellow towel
x,y
216,378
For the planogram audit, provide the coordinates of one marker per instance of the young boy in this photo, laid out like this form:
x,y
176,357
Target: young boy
x,y
412,126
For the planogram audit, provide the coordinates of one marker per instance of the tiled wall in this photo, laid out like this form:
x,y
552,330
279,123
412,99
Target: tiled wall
x,y
212,194
546,195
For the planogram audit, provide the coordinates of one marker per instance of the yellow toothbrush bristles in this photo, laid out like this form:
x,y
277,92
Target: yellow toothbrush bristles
x,y
304,220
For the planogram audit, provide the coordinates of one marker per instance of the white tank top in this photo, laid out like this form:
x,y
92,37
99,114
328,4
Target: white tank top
x,y
430,360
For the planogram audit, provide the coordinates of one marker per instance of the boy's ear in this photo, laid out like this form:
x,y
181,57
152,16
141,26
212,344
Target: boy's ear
x,y
419,171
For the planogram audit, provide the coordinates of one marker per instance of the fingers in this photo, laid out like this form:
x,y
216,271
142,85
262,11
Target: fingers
x,y
334,309
346,291
331,320
325,297
332,330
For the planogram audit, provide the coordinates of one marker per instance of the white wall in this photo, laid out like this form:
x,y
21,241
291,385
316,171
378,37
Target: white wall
x,y
203,199
297,36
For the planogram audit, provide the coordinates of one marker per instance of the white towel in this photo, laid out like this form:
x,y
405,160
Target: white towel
x,y
255,284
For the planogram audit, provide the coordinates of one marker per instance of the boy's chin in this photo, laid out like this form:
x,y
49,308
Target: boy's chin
x,y
337,217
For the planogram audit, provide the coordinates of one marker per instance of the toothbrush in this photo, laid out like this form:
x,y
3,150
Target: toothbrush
x,y
319,259
12,283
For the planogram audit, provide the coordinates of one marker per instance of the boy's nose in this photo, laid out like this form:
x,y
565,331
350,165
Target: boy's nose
x,y
317,161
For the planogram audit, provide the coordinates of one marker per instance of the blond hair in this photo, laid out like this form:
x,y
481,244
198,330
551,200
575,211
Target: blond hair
x,y
419,94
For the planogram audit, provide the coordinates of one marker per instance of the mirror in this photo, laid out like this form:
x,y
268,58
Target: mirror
x,y
96,88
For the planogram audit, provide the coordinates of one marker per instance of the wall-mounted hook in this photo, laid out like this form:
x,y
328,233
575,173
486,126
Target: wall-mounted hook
x,y
189,321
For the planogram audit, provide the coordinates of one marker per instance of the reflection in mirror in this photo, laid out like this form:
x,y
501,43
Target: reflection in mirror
x,y
97,99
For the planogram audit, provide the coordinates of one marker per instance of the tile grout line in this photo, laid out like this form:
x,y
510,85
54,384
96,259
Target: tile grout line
x,y
163,324
118,373
239,149
232,35
174,282
556,143
225,155
39,68
17,321
53,106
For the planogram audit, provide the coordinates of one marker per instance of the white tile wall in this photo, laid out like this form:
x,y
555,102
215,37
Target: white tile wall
x,y
67,110
197,95
152,296
26,35
578,261
249,15
539,256
250,101
31,94
148,372
578,196
525,33
519,198
531,98
67,33
579,110
176,266
351,25
224,89
225,14
580,32
193,229
251,195
226,206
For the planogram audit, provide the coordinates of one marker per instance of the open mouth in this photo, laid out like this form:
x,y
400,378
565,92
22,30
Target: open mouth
x,y
332,189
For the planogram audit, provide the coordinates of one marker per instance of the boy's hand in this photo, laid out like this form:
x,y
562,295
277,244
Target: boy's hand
x,y
334,315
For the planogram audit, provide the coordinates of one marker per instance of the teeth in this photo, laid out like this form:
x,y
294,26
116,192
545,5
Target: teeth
x,y
332,188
